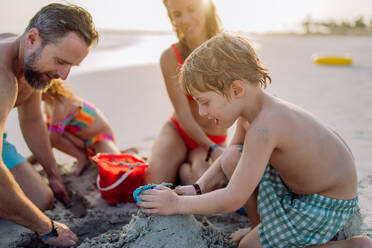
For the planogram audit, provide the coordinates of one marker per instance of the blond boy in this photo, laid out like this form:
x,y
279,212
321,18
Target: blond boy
x,y
304,171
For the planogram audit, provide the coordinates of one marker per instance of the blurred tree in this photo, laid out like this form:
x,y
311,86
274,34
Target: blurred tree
x,y
359,23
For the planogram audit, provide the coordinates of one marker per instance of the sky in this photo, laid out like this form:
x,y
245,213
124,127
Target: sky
x,y
236,15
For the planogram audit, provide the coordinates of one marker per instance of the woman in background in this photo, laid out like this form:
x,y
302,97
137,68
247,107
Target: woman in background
x,y
187,142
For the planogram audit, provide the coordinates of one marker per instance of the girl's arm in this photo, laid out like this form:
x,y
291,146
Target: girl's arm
x,y
169,67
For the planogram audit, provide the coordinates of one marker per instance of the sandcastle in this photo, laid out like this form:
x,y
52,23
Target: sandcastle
x,y
153,231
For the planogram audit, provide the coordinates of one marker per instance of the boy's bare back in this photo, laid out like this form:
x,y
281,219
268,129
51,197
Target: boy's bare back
x,y
309,156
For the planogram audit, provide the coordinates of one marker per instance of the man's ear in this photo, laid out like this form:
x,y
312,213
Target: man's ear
x,y
32,38
237,89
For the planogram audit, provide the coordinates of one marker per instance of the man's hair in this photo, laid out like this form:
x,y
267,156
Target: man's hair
x,y
55,20
56,92
215,64
212,24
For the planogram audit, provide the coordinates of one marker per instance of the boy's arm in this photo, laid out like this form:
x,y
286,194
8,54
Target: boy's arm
x,y
258,146
213,175
240,132
36,136
343,141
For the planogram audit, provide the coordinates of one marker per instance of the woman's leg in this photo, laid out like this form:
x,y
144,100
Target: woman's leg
x,y
195,167
168,153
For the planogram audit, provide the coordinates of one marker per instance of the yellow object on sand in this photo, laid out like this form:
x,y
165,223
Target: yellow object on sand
x,y
332,60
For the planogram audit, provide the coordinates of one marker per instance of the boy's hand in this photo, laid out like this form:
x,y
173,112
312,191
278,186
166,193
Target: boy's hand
x,y
185,190
160,200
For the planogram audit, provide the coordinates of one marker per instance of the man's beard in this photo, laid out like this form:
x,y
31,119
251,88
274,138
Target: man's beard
x,y
34,77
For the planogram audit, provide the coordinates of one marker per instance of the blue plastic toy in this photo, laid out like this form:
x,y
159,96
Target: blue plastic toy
x,y
138,192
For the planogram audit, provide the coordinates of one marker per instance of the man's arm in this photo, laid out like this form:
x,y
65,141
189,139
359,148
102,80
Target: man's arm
x,y
14,205
36,136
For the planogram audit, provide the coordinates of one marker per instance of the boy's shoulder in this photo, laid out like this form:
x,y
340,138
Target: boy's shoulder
x,y
274,120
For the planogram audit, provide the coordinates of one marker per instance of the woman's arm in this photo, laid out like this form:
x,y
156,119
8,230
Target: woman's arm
x,y
169,67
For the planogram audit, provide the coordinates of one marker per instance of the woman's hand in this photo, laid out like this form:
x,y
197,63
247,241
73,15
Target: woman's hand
x,y
216,152
160,200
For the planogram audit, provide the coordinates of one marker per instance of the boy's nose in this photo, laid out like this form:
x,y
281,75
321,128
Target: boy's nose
x,y
63,73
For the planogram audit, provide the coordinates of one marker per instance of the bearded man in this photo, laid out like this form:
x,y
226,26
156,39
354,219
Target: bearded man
x,y
58,37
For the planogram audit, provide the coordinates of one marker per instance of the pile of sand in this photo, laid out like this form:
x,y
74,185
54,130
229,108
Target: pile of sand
x,y
153,231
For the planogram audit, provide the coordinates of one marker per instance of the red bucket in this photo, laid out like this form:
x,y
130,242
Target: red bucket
x,y
118,176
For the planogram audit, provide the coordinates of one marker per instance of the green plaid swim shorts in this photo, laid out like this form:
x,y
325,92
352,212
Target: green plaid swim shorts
x,y
292,220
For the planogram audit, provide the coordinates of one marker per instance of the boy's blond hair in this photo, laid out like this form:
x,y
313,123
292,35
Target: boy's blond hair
x,y
215,64
56,92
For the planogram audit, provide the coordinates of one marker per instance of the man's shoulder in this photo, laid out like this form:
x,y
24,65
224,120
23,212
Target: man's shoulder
x,y
8,92
8,80
7,35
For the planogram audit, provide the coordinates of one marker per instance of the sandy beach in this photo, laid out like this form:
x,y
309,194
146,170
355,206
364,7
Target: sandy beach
x,y
122,77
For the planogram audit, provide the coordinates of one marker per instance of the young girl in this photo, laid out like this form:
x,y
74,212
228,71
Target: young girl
x,y
75,126
187,139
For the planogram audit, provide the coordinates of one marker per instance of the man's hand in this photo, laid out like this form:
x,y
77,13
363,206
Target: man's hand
x,y
160,200
185,190
59,189
65,236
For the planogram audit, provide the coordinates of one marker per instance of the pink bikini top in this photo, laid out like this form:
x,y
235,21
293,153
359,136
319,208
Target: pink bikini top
x,y
180,63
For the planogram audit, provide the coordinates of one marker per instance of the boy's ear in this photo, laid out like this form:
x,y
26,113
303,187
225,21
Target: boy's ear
x,y
32,38
237,89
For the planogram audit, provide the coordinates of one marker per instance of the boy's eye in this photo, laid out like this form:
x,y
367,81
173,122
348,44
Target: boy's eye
x,y
205,103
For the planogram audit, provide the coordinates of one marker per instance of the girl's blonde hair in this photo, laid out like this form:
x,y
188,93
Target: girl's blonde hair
x,y
56,92
215,64
212,24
